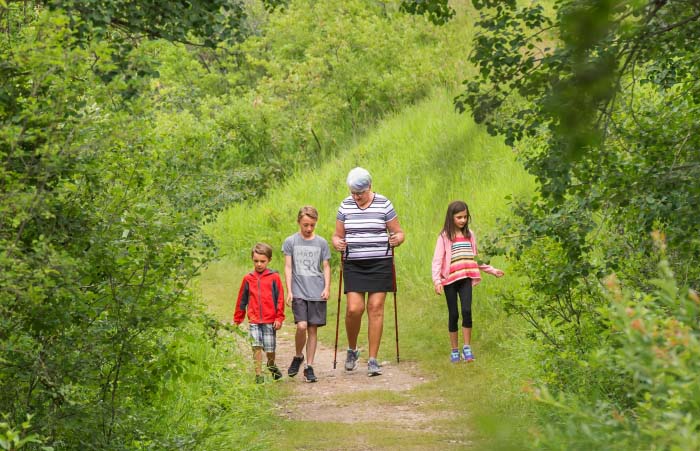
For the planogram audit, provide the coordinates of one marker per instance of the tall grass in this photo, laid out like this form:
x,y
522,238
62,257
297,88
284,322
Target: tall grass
x,y
421,159
208,399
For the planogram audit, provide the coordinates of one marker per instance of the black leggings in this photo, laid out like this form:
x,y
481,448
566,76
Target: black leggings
x,y
462,287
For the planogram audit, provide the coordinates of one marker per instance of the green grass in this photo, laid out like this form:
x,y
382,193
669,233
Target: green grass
x,y
421,159
360,437
208,398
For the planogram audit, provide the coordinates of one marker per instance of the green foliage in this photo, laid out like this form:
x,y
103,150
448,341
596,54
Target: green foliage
x,y
212,21
95,255
599,99
312,79
272,5
439,12
576,81
206,397
655,346
12,439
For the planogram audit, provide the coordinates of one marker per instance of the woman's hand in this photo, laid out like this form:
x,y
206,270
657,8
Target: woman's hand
x,y
339,244
395,239
396,236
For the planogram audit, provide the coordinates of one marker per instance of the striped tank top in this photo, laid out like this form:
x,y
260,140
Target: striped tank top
x,y
462,263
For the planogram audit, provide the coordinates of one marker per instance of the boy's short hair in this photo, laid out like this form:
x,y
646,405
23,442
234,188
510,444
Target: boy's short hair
x,y
309,211
262,249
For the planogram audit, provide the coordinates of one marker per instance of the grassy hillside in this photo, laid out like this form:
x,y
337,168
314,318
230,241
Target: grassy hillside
x,y
421,159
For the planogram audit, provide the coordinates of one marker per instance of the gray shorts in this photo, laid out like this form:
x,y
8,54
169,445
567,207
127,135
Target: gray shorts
x,y
313,312
263,336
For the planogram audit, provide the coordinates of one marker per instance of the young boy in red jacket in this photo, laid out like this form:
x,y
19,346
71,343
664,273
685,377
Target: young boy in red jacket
x,y
261,296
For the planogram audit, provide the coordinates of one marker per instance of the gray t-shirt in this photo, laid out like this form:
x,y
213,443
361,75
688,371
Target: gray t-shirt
x,y
307,265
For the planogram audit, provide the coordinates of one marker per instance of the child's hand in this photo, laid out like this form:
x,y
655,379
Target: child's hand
x,y
438,288
277,325
499,273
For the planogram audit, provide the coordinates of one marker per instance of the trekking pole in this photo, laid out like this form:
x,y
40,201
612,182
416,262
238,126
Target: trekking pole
x,y
337,319
396,314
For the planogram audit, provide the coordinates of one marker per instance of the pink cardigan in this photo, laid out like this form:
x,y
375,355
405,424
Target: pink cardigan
x,y
443,255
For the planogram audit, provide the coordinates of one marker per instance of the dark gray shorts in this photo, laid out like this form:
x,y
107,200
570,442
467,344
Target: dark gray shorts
x,y
313,312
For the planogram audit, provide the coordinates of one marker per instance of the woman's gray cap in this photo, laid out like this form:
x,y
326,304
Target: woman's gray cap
x,y
359,179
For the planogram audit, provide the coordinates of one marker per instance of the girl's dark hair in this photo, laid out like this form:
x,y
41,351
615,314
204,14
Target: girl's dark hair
x,y
450,229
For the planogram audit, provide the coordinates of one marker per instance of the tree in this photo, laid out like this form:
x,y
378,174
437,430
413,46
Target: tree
x,y
601,99
437,11
210,21
96,251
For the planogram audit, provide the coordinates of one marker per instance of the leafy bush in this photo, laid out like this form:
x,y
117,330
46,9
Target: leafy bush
x,y
96,255
654,345
314,76
604,116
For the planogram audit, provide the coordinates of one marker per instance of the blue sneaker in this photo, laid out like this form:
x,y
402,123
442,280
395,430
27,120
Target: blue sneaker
x,y
467,354
454,356
373,368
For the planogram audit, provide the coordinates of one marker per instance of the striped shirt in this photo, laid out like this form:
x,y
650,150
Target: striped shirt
x,y
365,229
462,263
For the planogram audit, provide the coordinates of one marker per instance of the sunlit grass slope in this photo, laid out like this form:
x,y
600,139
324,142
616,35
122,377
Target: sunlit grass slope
x,y
421,159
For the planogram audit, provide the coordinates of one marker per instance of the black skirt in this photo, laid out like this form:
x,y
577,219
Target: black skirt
x,y
371,275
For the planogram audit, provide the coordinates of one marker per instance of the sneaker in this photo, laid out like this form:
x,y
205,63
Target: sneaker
x,y
467,353
276,373
309,375
454,356
373,368
351,360
259,379
294,367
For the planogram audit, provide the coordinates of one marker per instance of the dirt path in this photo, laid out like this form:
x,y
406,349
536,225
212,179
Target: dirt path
x,y
362,402
321,398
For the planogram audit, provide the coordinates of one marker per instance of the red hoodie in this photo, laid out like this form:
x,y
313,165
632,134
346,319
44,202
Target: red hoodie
x,y
262,296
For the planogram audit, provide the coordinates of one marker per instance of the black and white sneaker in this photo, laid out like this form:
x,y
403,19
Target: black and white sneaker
x,y
276,373
309,375
294,367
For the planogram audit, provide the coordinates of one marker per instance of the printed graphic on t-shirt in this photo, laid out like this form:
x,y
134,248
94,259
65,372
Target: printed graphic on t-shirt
x,y
306,260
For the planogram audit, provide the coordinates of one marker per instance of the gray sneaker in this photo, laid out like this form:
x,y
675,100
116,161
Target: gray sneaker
x,y
351,360
373,368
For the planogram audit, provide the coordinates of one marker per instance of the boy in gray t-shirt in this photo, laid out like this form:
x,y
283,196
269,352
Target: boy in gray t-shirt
x,y
307,274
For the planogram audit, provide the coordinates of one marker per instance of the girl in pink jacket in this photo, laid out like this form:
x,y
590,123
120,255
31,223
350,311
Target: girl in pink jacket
x,y
456,271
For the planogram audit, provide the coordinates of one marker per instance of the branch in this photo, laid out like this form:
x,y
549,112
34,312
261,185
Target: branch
x,y
676,25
